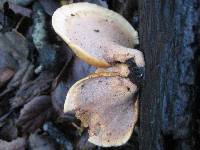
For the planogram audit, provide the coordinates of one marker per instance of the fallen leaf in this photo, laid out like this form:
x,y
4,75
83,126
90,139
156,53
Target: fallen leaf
x,y
102,3
15,44
84,144
49,6
34,114
21,2
40,86
41,142
20,10
9,130
58,136
6,75
17,144
14,51
78,69
58,97
6,58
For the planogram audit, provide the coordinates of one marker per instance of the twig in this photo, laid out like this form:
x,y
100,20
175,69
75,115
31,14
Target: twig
x,y
19,23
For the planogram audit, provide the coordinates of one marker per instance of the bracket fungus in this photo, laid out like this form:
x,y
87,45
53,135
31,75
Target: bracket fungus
x,y
97,35
106,101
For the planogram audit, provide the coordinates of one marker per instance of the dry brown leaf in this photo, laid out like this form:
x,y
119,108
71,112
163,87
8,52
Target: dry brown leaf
x,y
49,6
58,136
14,51
84,144
16,45
39,142
9,130
6,58
34,114
6,74
58,97
75,71
40,86
20,10
18,144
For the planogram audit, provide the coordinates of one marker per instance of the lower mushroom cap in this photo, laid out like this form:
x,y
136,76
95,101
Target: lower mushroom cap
x,y
107,105
119,127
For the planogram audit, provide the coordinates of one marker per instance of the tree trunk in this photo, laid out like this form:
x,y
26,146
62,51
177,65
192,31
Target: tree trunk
x,y
127,8
169,36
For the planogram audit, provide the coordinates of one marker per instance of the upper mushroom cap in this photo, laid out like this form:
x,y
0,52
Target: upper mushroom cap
x,y
97,35
106,103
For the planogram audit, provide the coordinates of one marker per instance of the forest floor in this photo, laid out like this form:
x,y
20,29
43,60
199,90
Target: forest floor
x,y
36,70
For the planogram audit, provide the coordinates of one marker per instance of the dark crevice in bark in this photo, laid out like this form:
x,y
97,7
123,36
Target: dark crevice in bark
x,y
169,143
125,7
196,105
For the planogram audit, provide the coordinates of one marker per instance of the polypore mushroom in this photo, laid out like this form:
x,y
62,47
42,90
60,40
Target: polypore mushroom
x,y
121,69
106,101
97,35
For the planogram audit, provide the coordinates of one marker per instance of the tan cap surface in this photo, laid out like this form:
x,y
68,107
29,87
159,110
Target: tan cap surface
x,y
105,103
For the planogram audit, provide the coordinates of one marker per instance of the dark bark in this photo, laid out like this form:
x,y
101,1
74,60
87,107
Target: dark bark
x,y
127,8
169,37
